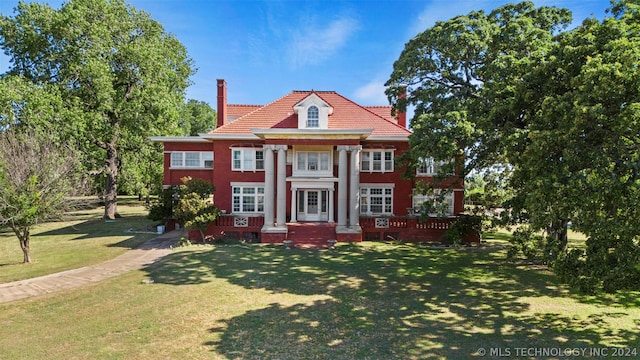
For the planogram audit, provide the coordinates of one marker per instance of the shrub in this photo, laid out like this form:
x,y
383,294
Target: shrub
x,y
534,247
464,225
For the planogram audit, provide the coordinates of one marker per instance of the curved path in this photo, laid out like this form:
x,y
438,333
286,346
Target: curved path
x,y
134,259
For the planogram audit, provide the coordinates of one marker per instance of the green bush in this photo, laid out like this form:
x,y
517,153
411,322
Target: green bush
x,y
464,225
609,265
534,247
162,208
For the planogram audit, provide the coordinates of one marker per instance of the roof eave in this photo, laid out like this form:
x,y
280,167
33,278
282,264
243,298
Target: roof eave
x,y
191,139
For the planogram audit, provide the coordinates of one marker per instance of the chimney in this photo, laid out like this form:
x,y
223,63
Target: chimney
x,y
222,102
402,117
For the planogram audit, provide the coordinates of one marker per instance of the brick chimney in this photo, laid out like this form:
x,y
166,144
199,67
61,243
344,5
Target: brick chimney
x,y
402,117
222,102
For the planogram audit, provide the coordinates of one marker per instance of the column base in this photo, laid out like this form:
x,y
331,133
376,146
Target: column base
x,y
349,233
273,234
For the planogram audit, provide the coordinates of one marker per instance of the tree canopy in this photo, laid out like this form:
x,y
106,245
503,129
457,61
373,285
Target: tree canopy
x,y
118,68
36,177
558,109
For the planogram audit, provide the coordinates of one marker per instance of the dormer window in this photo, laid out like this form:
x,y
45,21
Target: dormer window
x,y
312,117
313,113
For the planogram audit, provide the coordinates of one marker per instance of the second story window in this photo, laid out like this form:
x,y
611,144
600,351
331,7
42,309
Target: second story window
x,y
312,161
376,161
312,117
247,159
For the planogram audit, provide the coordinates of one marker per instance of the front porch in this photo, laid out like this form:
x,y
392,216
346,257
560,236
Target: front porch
x,y
392,228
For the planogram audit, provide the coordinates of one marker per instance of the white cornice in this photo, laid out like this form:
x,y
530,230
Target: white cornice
x,y
314,134
229,136
192,139
388,138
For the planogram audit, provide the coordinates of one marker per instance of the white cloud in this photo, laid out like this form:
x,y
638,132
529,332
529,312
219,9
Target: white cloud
x,y
313,44
371,94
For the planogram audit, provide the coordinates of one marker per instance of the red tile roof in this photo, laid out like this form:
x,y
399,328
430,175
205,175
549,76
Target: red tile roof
x,y
238,110
384,111
346,115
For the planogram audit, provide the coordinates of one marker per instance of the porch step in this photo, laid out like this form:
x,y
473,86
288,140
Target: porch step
x,y
311,234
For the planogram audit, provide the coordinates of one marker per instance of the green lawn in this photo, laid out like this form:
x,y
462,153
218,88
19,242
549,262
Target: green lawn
x,y
81,239
364,301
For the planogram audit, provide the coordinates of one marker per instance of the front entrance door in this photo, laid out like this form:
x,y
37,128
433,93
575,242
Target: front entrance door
x,y
312,205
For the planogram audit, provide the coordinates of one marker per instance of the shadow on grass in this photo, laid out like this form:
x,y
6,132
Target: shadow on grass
x,y
98,228
384,302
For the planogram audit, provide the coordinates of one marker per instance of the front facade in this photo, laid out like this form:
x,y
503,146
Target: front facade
x,y
310,158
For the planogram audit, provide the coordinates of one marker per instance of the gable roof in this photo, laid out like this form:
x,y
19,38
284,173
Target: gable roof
x,y
347,115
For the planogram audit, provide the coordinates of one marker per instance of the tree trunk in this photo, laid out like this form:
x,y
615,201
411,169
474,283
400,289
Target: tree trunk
x,y
24,243
111,186
558,231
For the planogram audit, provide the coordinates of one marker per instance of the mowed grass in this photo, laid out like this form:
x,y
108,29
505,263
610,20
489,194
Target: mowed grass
x,y
82,238
363,301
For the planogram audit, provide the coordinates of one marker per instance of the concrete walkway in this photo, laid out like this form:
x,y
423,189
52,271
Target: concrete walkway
x,y
134,259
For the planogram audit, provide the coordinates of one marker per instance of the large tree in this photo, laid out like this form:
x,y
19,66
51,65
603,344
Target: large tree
x,y
198,117
558,109
581,157
463,75
36,177
113,63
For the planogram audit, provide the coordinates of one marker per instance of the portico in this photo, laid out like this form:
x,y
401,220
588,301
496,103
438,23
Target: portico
x,y
314,189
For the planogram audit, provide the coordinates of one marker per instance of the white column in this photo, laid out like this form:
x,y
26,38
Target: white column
x,y
342,185
268,185
281,186
294,205
354,193
331,206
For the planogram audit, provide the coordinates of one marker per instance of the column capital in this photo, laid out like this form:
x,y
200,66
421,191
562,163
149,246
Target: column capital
x,y
269,147
281,147
355,147
343,147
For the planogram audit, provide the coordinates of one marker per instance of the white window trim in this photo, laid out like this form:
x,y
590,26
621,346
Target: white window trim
x,y
383,161
314,173
256,195
202,159
370,186
242,167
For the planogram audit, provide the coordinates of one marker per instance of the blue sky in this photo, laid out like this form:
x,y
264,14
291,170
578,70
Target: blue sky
x,y
266,49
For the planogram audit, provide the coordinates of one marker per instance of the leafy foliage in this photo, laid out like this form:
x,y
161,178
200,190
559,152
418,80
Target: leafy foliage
x,y
190,205
36,177
198,117
123,75
463,226
533,246
559,110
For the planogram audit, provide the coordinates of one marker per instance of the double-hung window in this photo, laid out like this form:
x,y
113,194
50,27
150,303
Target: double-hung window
x,y
248,159
248,199
192,159
376,161
376,200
